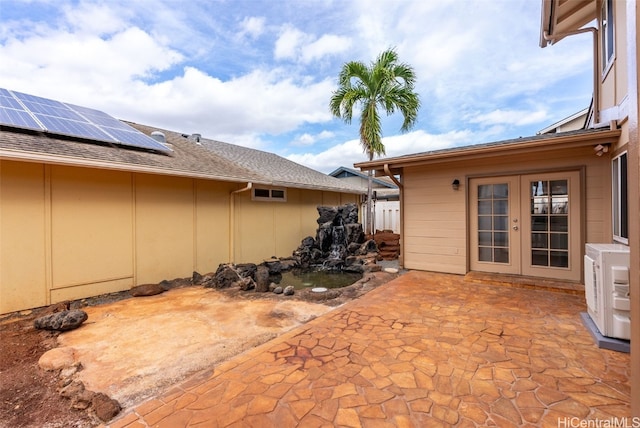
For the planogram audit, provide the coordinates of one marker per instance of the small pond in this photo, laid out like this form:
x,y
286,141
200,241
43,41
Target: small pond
x,y
319,278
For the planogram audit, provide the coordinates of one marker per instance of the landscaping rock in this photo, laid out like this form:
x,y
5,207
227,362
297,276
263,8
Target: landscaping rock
x,y
105,408
57,358
147,290
72,389
289,290
245,284
224,277
61,321
278,290
326,214
262,279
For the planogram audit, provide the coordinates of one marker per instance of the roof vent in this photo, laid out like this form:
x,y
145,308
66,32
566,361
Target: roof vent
x,y
195,137
160,138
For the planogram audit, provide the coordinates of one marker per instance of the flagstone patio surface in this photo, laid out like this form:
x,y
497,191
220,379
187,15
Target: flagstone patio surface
x,y
424,350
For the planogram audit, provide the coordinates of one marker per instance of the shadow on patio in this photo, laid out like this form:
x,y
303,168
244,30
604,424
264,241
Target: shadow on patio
x,y
423,350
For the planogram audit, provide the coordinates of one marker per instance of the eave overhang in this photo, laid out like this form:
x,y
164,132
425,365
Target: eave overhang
x,y
46,158
561,17
542,143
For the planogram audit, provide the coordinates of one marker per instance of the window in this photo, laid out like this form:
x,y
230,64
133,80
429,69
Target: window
x,y
607,33
620,213
265,194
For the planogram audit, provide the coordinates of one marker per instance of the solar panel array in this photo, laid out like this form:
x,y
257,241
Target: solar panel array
x,y
42,114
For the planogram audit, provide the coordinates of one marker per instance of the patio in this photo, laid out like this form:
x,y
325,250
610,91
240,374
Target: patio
x,y
423,350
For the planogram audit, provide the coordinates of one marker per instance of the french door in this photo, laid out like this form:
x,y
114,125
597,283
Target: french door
x,y
526,225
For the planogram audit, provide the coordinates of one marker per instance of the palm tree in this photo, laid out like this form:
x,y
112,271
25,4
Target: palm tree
x,y
385,84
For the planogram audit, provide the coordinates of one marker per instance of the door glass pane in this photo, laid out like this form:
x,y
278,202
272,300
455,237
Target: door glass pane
x,y
484,207
549,201
559,241
500,191
493,223
485,191
501,223
484,222
485,254
501,255
484,239
501,239
559,259
500,206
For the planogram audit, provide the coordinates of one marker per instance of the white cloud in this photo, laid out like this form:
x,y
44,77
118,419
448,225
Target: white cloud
x,y
328,44
288,44
296,45
308,139
511,117
252,26
350,152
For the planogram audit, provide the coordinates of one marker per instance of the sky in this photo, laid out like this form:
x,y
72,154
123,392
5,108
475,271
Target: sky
x,y
260,73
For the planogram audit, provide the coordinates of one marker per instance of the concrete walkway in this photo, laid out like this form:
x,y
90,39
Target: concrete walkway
x,y
424,350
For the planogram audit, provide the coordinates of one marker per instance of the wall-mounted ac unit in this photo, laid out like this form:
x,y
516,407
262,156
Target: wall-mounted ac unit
x,y
606,280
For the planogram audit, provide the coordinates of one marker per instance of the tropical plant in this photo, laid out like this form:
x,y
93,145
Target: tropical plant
x,y
386,84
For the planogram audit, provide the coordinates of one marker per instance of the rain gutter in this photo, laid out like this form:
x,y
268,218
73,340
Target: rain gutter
x,y
596,87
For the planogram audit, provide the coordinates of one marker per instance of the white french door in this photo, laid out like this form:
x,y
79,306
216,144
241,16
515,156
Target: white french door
x,y
526,225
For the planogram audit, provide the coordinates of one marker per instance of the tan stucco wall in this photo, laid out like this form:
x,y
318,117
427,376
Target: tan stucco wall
x,y
265,229
69,232
435,216
22,236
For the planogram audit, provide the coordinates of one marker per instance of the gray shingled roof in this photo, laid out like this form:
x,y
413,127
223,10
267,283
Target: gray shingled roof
x,y
208,160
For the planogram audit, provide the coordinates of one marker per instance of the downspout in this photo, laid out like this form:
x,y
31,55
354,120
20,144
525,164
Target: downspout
x,y
596,86
398,183
232,216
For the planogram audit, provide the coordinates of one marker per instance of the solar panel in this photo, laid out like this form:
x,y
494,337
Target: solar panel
x,y
42,114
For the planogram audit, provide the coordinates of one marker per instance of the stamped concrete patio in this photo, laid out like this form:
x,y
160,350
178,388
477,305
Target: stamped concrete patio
x,y
424,350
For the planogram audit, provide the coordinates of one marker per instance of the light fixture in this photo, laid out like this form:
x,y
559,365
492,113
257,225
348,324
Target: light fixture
x,y
455,185
600,149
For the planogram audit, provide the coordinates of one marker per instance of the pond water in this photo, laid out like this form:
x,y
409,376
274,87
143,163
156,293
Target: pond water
x,y
310,279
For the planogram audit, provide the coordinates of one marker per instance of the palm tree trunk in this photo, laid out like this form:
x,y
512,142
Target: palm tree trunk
x,y
369,226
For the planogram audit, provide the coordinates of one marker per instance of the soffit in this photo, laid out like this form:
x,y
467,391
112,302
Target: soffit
x,y
563,16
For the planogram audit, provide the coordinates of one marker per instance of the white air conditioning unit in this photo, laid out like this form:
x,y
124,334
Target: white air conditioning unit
x,y
606,280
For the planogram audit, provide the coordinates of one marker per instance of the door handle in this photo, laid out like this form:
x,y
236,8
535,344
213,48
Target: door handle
x,y
515,227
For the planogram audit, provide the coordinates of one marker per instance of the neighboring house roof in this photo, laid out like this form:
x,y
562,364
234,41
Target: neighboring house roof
x,y
571,123
210,159
579,138
381,181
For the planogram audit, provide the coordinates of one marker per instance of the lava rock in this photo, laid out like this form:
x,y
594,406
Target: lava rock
x,y
105,408
326,214
61,321
245,284
196,278
247,269
262,279
224,277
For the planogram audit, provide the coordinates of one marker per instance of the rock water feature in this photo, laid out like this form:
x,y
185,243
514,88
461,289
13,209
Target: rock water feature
x,y
339,246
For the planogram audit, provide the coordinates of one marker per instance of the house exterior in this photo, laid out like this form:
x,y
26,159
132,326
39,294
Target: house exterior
x,y
528,206
79,219
386,200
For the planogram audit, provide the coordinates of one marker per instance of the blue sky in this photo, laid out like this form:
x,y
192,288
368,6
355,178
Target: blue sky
x,y
260,73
